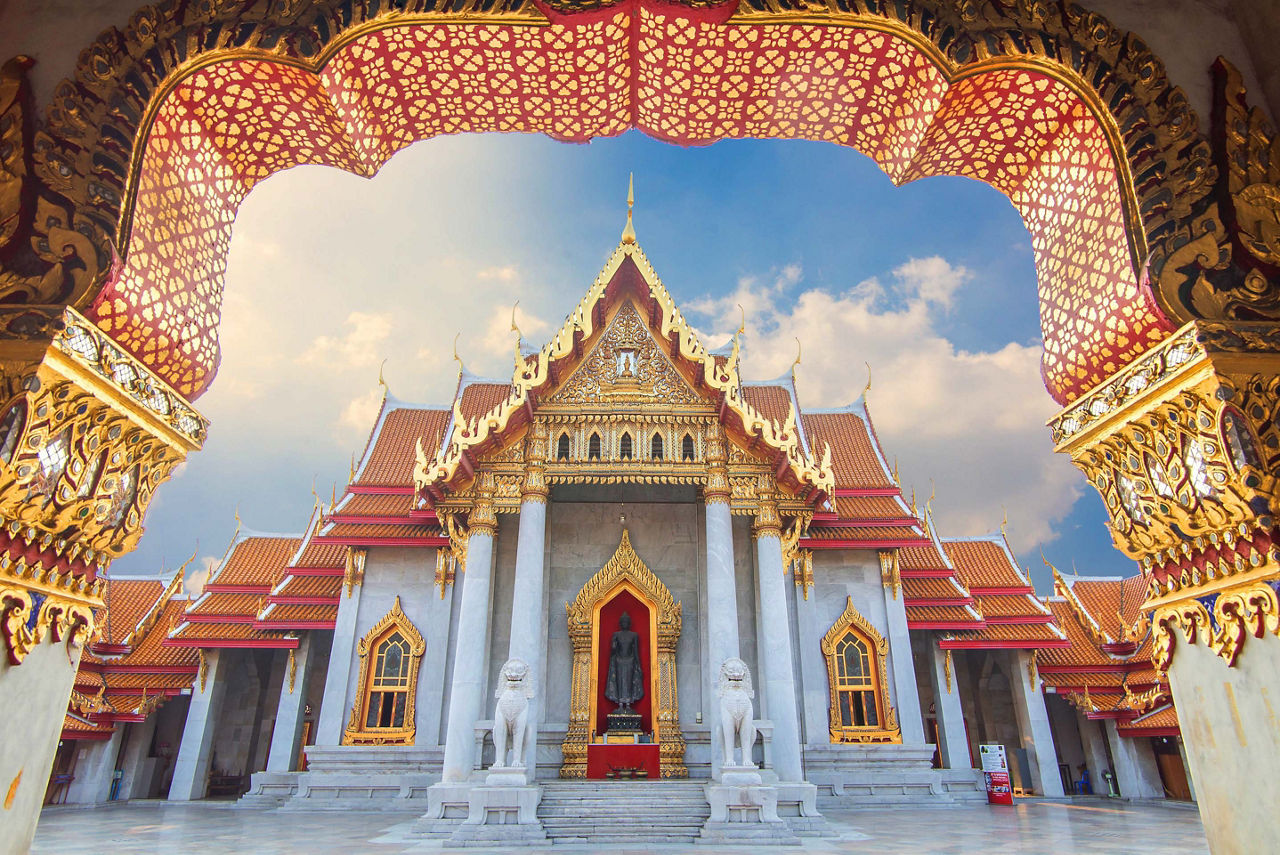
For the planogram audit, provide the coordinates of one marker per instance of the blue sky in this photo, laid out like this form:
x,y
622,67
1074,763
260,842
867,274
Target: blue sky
x,y
932,283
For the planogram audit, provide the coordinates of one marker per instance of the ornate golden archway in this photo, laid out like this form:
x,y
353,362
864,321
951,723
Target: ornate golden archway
x,y
624,571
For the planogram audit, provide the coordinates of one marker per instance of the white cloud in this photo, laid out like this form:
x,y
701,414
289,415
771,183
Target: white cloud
x,y
506,273
362,345
359,413
499,339
971,421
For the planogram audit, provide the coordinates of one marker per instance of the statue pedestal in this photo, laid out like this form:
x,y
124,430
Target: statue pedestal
x,y
511,776
501,815
739,776
742,813
624,723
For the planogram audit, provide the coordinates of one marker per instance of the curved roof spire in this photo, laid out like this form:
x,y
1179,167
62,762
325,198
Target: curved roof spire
x,y
629,231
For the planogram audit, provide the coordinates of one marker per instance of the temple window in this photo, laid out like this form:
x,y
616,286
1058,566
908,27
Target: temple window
x,y
562,447
655,447
686,448
389,658
856,667
624,448
593,447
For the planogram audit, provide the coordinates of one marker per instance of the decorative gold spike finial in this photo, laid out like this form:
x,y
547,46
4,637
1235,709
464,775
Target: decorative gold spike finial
x,y
515,327
381,380
351,473
933,494
1004,523
867,388
629,231
742,327
797,362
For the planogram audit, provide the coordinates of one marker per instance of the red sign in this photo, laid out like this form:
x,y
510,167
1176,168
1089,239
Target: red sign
x,y
999,791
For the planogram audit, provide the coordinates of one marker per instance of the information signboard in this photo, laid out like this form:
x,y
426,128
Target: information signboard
x,y
995,768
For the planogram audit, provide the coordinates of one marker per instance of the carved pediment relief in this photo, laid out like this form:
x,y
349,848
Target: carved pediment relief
x,y
626,366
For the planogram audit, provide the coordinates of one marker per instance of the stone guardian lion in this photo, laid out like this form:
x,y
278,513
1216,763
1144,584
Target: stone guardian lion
x,y
737,724
512,719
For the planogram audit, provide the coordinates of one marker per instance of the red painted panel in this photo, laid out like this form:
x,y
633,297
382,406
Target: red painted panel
x,y
612,611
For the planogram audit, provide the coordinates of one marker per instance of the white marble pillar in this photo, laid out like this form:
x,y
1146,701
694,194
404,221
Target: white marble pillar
x,y
953,740
291,710
1095,753
1137,773
774,627
901,666
137,765
528,619
469,665
343,664
722,588
1033,727
95,766
195,752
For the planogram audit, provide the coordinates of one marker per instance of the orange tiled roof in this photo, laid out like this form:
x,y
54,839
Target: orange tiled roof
x,y
870,508
133,683
864,532
309,586
1013,633
983,562
1161,719
79,727
293,613
1019,605
152,651
1082,652
128,600
771,401
853,456
390,460
257,560
214,632
925,557
320,554
480,397
375,505
941,614
224,604
380,530
932,589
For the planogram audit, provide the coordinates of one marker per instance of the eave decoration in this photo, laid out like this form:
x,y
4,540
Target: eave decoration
x,y
888,731
356,733
624,570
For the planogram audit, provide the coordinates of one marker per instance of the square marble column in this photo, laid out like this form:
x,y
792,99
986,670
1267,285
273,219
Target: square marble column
x,y
343,662
195,753
902,668
528,614
290,711
953,740
1137,773
465,702
136,764
778,679
722,608
1033,726
95,765
1095,752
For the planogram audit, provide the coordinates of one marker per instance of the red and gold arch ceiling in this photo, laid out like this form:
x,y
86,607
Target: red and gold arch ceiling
x,y
682,77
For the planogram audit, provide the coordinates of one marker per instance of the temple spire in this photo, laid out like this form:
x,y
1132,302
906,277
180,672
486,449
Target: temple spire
x,y
629,231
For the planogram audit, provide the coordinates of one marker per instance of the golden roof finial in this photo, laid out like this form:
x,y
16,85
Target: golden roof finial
x,y
351,473
1004,523
629,231
933,494
867,388
914,512
797,362
742,327
381,381
896,480
239,523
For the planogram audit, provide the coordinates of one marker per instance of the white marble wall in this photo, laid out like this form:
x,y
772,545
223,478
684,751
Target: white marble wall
x,y
408,574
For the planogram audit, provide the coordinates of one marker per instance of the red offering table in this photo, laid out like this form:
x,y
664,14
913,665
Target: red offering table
x,y
602,758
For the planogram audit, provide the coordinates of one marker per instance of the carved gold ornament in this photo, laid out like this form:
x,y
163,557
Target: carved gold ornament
x,y
27,617
398,687
890,571
871,677
624,571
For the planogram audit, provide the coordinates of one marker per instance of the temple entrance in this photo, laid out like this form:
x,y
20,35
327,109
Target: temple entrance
x,y
623,710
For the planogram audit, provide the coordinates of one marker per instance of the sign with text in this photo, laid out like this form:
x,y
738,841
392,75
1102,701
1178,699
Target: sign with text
x,y
995,768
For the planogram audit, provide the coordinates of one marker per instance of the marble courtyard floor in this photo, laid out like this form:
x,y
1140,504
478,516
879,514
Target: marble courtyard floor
x,y
1032,826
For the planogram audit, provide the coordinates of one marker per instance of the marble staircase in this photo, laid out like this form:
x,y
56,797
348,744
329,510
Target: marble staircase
x,y
623,811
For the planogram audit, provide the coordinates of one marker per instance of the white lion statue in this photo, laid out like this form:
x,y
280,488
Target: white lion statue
x,y
737,725
512,718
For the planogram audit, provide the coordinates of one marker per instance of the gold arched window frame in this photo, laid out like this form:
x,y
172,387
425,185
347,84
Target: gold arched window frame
x,y
886,729
357,733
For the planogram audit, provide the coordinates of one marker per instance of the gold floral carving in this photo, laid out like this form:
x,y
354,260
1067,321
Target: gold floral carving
x,y
356,732
203,669
1238,613
27,617
626,571
293,668
890,571
946,667
888,730
353,572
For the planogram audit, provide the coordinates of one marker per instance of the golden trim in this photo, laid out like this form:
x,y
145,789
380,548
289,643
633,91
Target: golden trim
x,y
356,732
890,571
946,667
293,668
889,731
624,571
1251,610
